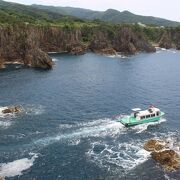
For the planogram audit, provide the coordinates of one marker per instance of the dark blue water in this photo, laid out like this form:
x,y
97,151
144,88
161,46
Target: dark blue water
x,y
68,128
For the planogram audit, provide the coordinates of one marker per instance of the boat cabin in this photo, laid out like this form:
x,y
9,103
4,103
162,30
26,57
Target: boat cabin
x,y
149,113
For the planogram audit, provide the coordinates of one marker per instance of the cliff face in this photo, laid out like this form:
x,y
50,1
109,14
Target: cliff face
x,y
170,39
19,44
29,45
124,41
129,42
166,41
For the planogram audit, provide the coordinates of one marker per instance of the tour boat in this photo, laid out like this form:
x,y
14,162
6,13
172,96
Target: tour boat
x,y
138,116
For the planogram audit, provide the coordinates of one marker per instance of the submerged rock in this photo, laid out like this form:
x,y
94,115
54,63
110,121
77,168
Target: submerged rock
x,y
13,109
161,153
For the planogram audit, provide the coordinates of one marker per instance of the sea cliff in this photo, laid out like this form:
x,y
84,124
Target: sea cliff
x,y
29,45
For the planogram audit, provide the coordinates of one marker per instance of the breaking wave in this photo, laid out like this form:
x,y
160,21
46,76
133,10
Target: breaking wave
x,y
125,156
33,109
118,56
5,119
2,115
17,167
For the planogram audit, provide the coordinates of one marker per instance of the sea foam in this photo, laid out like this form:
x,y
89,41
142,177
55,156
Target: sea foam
x,y
16,167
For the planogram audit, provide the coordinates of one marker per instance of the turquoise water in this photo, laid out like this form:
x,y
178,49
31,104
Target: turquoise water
x,y
68,128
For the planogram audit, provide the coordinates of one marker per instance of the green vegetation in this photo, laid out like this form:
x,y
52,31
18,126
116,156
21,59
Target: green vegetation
x,y
17,14
13,13
109,15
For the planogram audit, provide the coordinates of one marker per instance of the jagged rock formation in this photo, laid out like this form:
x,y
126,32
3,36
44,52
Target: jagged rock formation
x,y
165,41
76,49
124,40
1,178
162,154
154,145
169,159
20,44
129,42
101,43
170,38
176,38
29,45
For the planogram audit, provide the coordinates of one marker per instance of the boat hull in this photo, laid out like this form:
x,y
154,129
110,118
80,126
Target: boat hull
x,y
131,121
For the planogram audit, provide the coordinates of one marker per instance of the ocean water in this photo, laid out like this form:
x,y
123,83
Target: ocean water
x,y
68,128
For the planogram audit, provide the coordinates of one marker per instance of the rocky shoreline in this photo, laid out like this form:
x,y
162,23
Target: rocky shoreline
x,y
29,45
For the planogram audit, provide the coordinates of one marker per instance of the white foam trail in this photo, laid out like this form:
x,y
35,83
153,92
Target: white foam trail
x,y
143,127
5,124
91,129
16,167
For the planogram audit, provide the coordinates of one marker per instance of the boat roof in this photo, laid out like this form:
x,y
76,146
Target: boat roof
x,y
147,112
136,109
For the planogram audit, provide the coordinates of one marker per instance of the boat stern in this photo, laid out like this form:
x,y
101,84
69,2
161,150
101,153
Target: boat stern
x,y
125,120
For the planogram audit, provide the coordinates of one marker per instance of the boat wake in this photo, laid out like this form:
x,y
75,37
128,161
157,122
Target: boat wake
x,y
98,128
143,127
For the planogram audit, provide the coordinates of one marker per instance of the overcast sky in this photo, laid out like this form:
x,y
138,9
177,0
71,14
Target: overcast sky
x,y
169,9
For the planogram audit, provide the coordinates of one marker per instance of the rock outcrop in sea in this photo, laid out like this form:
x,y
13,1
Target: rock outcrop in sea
x,y
12,109
163,154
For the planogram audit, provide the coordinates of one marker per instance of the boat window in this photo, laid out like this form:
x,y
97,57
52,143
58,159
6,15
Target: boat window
x,y
148,116
150,110
142,117
158,113
152,115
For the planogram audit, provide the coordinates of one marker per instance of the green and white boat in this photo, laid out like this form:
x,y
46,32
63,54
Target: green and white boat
x,y
138,116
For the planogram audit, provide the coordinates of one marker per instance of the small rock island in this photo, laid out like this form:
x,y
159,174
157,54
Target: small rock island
x,y
163,154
